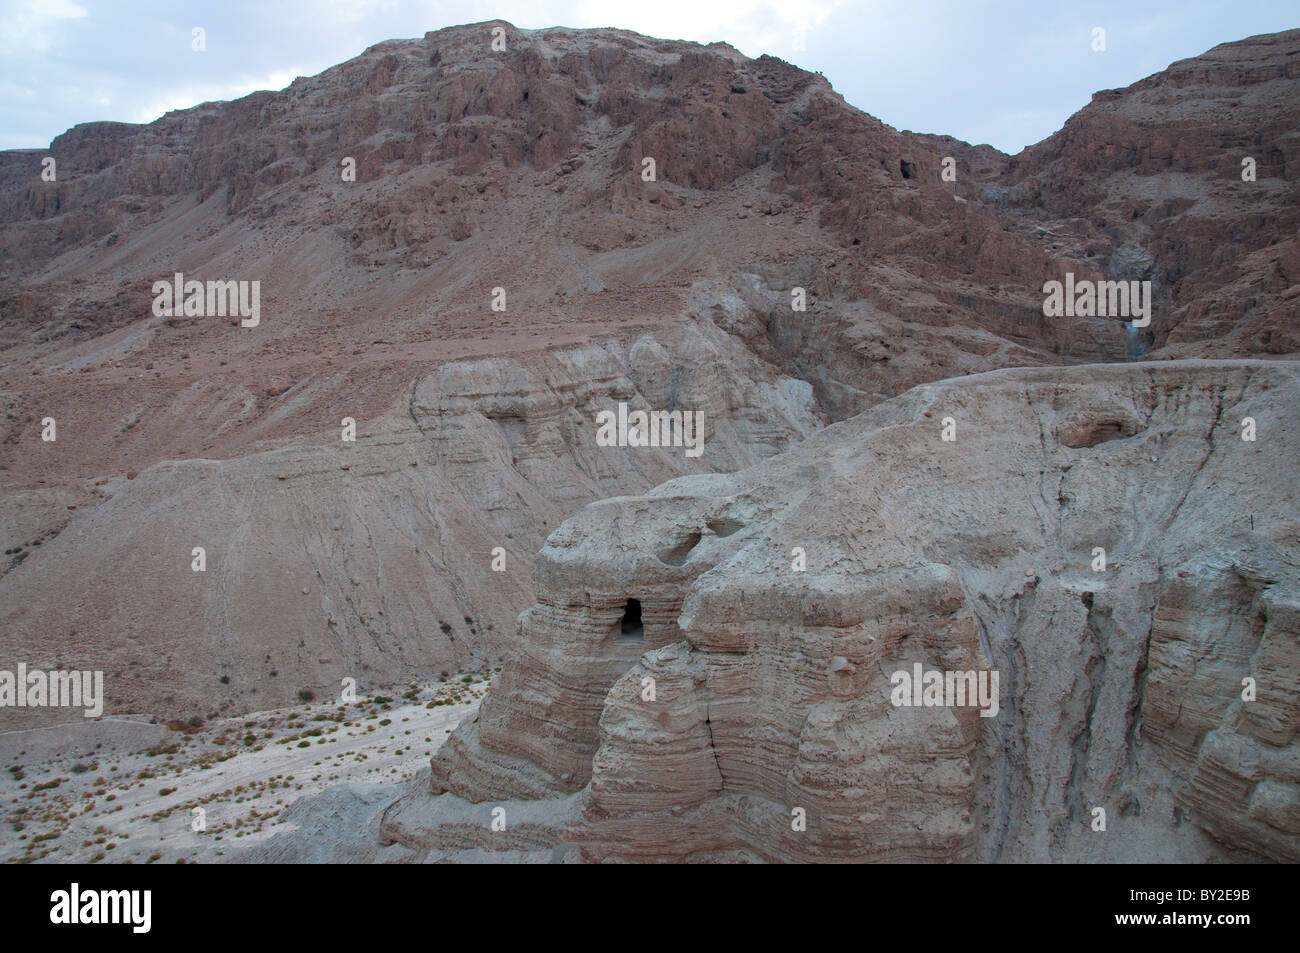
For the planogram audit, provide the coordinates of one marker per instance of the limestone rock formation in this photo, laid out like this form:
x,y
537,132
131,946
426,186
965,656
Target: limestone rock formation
x,y
478,170
775,604
371,560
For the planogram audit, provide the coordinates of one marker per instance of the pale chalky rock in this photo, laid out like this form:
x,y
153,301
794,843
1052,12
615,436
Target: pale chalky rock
x,y
751,715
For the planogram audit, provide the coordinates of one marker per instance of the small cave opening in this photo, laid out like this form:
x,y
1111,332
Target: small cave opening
x,y
907,168
630,627
724,527
676,556
1090,432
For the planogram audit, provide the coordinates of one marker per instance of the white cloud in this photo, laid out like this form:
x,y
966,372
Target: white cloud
x,y
186,96
12,91
354,11
752,26
27,140
31,25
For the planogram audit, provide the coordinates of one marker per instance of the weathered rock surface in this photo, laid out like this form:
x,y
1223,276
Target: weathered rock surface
x,y
371,560
1120,688
521,170
1151,178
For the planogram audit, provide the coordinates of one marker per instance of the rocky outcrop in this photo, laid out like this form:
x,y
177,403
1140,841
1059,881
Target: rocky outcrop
x,y
480,170
1188,179
751,714
402,553
1232,735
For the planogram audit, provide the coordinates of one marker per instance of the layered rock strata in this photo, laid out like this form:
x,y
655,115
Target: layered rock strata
x,y
521,170
777,603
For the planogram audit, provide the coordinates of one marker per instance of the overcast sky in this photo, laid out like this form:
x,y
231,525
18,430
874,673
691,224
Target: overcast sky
x,y
1005,72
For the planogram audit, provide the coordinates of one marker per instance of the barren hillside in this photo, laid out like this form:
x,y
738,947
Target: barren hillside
x,y
522,170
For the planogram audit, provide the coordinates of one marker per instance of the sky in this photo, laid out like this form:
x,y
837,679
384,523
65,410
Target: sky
x,y
1003,72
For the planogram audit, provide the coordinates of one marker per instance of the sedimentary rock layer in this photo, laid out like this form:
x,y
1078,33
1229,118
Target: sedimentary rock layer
x,y
1101,537
521,170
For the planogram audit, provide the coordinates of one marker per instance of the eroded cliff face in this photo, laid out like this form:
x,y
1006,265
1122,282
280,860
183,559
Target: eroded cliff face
x,y
478,170
403,553
776,603
1154,178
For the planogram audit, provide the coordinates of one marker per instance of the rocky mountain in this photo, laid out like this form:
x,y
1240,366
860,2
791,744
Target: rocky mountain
x,y
1154,178
516,177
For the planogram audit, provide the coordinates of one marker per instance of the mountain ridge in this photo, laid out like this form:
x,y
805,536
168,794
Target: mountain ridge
x,y
522,170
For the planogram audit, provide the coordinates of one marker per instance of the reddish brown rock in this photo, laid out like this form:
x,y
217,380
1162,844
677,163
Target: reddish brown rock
x,y
520,170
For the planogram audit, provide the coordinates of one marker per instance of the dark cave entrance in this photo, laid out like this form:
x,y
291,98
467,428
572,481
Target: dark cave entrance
x,y
630,627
